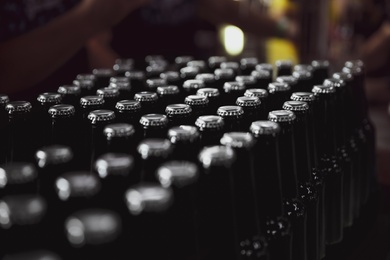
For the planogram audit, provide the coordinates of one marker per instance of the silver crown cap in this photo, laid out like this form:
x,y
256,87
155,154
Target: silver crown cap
x,y
154,147
303,67
230,111
178,109
157,82
197,63
209,122
135,75
264,127
193,84
18,107
77,184
208,92
278,87
261,74
114,164
233,86
302,74
92,227
107,92
249,62
214,60
101,115
196,100
84,83
320,63
206,77
295,106
321,89
91,101
146,96
154,120
118,130
148,197
218,155
230,65
224,73
189,71
120,85
336,83
264,66
183,133
53,155
69,90
280,116
168,90
256,92
248,101
177,173
238,140
246,79
354,63
170,75
61,110
103,72
86,76
128,105
347,77
4,99
303,96
287,79
49,97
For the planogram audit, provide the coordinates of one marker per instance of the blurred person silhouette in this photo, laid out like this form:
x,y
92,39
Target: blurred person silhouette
x,y
46,43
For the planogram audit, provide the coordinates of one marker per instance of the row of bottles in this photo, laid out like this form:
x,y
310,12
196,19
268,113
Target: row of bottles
x,y
187,160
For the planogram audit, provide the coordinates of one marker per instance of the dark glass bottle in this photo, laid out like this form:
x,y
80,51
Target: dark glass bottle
x,y
169,95
110,96
102,77
137,80
290,80
214,97
70,94
211,129
87,86
208,79
302,67
320,71
304,80
200,64
63,122
232,117
278,93
19,134
263,77
231,91
235,66
154,125
247,65
153,83
188,72
182,177
222,76
153,151
251,107
120,138
3,127
149,101
149,227
88,104
155,68
179,114
190,86
294,207
18,178
121,66
248,80
172,78
186,142
199,105
250,236
283,67
268,187
123,86
325,121
266,66
128,111
218,234
306,188
262,94
181,61
214,62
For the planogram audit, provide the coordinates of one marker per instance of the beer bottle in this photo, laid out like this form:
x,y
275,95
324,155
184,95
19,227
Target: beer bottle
x,y
231,91
320,71
283,67
214,62
3,127
268,187
222,76
169,95
128,111
184,137
121,66
302,67
188,72
251,107
304,80
211,129
87,86
172,78
153,83
294,206
18,178
120,138
137,80
178,114
235,66
122,84
148,100
262,94
110,96
232,117
63,120
199,105
154,125
208,79
263,77
181,61
200,64
247,65
248,80
102,77
214,97
278,93
266,66
290,80
70,94
190,86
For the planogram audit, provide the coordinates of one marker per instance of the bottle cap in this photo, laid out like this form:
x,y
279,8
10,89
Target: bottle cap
x,y
278,87
154,120
4,99
118,130
196,100
49,97
86,76
178,110
33,255
230,65
92,227
114,164
124,61
197,63
148,197
303,96
264,66
208,92
107,92
249,62
102,115
336,83
168,90
91,101
177,173
215,61
261,74
17,173
238,140
77,185
302,74
256,92
217,155
292,81
303,67
347,77
61,110
280,116
264,127
322,64
321,89
183,60
135,75
189,72
230,111
355,71
232,86
146,96
53,155
224,73
128,105
21,210
156,82
295,106
16,107
120,85
154,147
103,72
69,90
246,79
183,133
248,102
84,83
209,122
206,77
170,75
193,84
284,64
154,57
354,63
